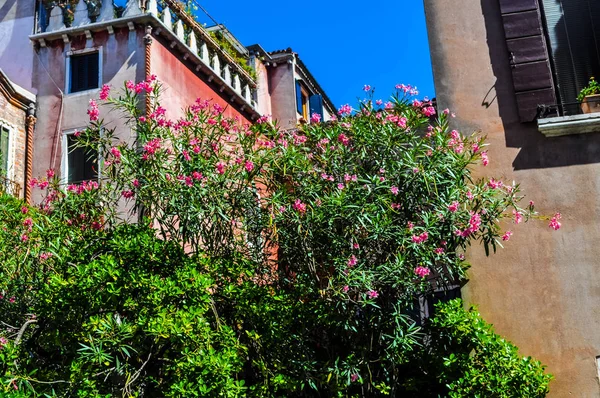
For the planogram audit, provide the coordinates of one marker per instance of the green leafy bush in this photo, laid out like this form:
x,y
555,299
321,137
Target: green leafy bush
x,y
279,263
593,88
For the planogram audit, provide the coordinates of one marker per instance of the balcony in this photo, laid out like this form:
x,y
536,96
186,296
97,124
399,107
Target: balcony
x,y
10,187
169,21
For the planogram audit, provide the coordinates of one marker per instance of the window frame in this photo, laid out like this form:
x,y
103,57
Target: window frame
x,y
83,51
64,162
10,167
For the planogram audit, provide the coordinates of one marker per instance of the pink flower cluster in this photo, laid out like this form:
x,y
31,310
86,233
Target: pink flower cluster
x,y
407,89
104,92
151,147
507,235
315,118
345,110
484,158
420,238
474,224
398,120
372,294
85,186
453,207
93,111
343,139
352,261
554,224
422,272
299,206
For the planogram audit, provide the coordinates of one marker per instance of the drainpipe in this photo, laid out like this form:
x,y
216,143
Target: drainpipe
x,y
30,127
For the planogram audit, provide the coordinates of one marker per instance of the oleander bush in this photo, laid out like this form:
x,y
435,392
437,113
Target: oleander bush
x,y
218,258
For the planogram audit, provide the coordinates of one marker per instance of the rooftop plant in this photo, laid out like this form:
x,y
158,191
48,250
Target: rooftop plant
x,y
593,88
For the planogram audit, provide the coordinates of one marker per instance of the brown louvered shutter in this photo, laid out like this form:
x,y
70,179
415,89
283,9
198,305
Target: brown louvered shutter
x,y
528,56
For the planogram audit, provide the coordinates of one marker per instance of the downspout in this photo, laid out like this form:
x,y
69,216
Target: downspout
x,y
30,128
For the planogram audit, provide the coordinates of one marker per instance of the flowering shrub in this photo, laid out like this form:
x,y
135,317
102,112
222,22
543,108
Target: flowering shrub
x,y
284,261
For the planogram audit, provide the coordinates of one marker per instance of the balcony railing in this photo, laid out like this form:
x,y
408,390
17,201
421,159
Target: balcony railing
x,y
165,15
10,187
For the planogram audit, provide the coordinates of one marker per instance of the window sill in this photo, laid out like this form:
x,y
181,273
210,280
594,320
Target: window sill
x,y
569,125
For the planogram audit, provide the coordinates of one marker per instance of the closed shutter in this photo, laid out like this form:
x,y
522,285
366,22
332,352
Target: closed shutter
x,y
84,72
81,163
4,133
299,97
528,55
574,33
316,105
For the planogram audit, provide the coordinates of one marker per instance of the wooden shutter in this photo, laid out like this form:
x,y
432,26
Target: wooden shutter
x,y
299,97
4,148
574,36
528,56
84,72
316,105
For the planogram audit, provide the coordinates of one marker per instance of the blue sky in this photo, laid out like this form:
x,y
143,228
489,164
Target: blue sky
x,y
344,44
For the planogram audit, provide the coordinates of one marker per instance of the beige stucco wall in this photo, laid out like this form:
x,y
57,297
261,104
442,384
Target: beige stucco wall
x,y
13,118
543,290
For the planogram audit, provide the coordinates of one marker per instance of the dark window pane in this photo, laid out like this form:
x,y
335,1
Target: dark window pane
x,y
82,165
84,72
299,97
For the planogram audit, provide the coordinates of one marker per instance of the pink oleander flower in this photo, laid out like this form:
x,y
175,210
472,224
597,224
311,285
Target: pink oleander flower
x,y
453,207
345,110
24,210
42,184
104,92
507,235
422,272
197,175
299,206
410,225
130,85
315,118
12,300
378,102
446,111
249,166
186,155
493,184
394,190
345,289
353,377
263,119
142,119
439,250
136,183
367,88
484,158
340,186
3,341
93,111
420,238
116,153
28,222
24,238
282,209
188,181
355,246
45,256
352,261
554,224
128,194
429,111
50,173
416,103
518,217
343,139
475,147
372,294
220,167
470,195
415,170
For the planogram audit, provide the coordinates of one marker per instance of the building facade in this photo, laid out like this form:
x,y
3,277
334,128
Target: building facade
x,y
75,48
511,70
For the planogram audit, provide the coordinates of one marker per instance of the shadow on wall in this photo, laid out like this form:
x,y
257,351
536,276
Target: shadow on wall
x,y
537,151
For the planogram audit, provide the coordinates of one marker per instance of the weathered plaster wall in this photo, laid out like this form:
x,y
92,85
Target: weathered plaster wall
x,y
283,97
263,93
122,60
543,290
16,51
13,117
181,84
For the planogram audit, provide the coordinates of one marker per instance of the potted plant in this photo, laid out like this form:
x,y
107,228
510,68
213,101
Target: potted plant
x,y
589,97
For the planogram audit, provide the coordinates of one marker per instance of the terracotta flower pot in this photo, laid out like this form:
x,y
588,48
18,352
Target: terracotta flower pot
x,y
591,104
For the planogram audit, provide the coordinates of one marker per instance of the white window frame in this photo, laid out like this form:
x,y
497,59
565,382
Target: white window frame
x,y
68,70
64,162
10,170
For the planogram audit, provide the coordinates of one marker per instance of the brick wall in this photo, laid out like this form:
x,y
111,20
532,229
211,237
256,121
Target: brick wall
x,y
14,118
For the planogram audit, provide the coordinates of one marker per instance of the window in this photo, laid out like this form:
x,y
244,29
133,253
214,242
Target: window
x,y
79,164
83,72
301,100
573,28
4,151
